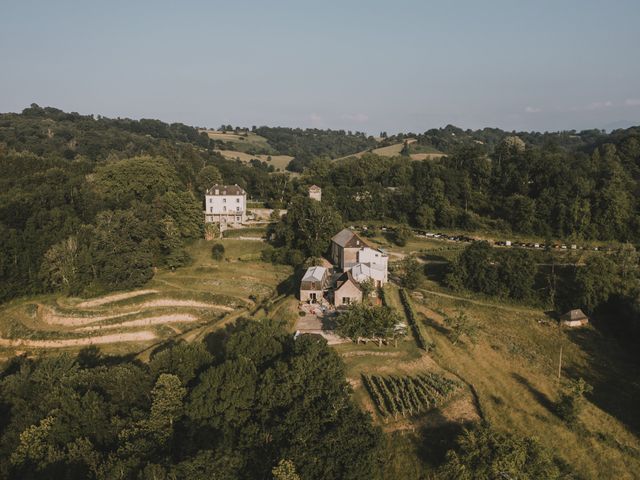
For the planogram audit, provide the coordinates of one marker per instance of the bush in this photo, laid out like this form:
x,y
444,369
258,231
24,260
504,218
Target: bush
x,y
217,251
411,316
401,235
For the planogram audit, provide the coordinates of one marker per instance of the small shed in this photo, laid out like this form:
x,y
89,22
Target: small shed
x,y
313,284
315,193
574,318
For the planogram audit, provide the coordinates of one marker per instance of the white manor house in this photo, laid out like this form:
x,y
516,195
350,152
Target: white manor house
x,y
225,205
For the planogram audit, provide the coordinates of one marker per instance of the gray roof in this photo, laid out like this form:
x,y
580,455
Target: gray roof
x,y
348,239
573,315
314,274
226,190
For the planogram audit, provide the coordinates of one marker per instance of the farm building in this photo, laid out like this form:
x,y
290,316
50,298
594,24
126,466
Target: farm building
x,y
315,193
313,284
364,271
225,205
345,246
574,318
347,291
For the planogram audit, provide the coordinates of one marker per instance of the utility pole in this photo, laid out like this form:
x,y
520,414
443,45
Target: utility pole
x,y
560,365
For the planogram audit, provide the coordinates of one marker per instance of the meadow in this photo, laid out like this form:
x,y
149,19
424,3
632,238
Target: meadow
x,y
509,374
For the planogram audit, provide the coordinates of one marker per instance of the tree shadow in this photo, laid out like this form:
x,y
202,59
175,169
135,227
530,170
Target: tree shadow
x,y
431,323
540,397
612,371
435,441
289,284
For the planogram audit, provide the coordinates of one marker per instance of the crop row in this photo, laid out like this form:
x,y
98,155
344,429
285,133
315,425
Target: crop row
x,y
404,396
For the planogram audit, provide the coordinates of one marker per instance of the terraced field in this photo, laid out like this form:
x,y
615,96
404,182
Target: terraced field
x,y
187,300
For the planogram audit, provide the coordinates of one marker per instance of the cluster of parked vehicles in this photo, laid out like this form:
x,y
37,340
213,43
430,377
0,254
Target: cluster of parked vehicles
x,y
509,243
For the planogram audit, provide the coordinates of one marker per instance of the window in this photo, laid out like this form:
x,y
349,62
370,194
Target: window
x,y
210,209
346,300
237,200
237,209
224,200
237,219
224,209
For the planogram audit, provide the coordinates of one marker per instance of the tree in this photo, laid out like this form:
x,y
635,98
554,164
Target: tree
x,y
425,216
60,265
207,177
411,272
217,251
483,453
595,282
139,178
367,287
307,226
572,400
461,326
368,321
285,470
401,235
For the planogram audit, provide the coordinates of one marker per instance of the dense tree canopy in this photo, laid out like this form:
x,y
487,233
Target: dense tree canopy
x,y
264,398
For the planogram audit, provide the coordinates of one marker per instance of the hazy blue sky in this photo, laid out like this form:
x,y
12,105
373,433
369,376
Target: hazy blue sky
x,y
362,65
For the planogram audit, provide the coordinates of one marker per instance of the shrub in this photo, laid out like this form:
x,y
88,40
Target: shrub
x,y
411,316
217,251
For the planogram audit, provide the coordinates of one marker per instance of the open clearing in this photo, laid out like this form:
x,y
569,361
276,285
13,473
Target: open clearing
x,y
279,162
241,141
196,297
395,149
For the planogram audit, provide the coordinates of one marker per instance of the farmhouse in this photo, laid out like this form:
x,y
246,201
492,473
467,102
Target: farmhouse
x,y
313,284
574,318
315,193
345,246
225,205
347,291
358,263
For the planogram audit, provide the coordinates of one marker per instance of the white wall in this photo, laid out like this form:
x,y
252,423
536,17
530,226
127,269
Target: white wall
x,y
226,204
373,257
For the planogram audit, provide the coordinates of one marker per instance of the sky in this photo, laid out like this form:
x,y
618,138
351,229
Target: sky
x,y
358,65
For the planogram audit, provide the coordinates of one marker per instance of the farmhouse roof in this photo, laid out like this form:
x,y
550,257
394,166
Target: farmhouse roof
x,y
574,315
226,190
348,239
345,278
314,188
367,270
314,274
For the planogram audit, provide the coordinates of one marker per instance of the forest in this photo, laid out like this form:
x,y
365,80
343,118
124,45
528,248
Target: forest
x,y
76,187
236,406
548,191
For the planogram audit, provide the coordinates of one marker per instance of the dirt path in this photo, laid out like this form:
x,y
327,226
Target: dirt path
x,y
141,336
479,302
52,318
144,322
96,302
167,302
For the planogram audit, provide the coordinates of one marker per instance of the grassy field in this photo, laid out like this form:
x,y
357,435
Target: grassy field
x,y
241,141
279,162
417,152
510,374
172,304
